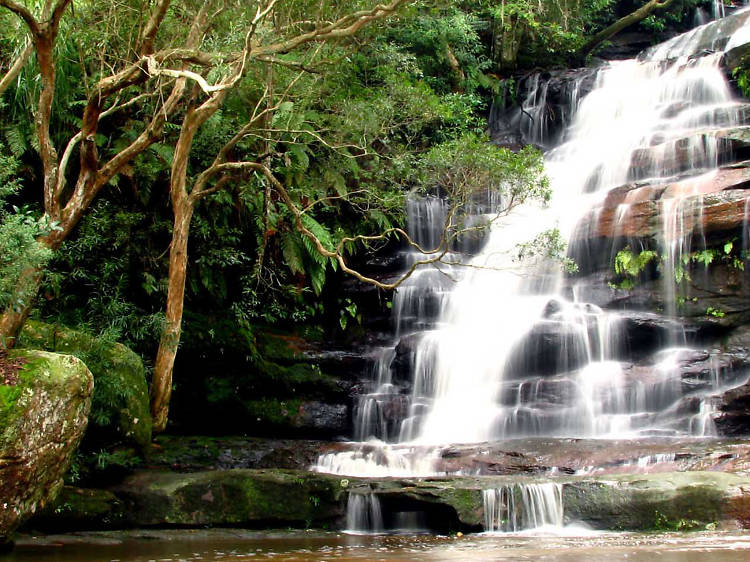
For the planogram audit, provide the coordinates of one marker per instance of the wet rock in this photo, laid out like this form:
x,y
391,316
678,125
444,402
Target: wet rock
x,y
322,417
634,212
305,419
386,412
513,127
406,352
43,414
550,347
723,288
201,453
734,406
702,370
80,508
643,333
672,501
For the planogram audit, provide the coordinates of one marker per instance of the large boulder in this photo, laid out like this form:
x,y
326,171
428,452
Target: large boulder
x,y
120,410
45,400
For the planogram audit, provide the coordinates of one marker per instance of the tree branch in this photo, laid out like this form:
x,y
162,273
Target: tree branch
x,y
626,21
23,13
148,35
16,67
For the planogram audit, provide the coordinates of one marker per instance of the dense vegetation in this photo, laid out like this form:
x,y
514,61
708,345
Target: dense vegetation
x,y
280,138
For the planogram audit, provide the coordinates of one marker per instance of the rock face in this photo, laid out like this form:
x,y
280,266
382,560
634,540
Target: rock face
x,y
232,497
552,92
633,211
43,414
252,498
120,407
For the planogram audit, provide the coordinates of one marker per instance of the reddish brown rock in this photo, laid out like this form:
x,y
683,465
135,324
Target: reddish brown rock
x,y
713,202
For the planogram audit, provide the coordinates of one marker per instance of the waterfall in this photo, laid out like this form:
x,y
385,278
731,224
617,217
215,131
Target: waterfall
x,y
520,507
504,348
363,514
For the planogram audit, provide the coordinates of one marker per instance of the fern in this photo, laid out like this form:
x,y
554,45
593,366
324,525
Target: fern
x,y
16,140
312,252
320,232
317,276
292,252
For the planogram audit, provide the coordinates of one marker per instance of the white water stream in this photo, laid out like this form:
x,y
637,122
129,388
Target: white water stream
x,y
496,349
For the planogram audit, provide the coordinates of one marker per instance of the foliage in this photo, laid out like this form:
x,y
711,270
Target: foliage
x,y
630,266
471,165
549,245
433,36
19,228
742,78
107,279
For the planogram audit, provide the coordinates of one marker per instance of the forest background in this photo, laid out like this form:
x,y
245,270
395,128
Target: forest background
x,y
246,160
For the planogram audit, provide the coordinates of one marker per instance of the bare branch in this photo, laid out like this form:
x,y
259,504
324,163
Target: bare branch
x,y
622,23
73,142
343,27
148,35
16,67
154,70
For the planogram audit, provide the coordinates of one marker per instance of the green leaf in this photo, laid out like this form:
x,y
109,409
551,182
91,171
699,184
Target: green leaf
x,y
292,252
300,158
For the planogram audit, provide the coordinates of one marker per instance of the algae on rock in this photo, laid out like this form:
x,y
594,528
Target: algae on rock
x,y
43,415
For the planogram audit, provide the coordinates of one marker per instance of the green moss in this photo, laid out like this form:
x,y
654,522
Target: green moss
x,y
120,406
9,394
43,418
272,410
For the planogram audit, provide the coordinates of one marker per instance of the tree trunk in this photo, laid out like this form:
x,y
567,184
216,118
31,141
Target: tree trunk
x,y
626,21
161,384
458,78
508,32
11,323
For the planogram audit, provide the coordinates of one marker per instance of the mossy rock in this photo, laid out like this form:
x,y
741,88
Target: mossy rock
x,y
120,410
43,415
233,497
80,508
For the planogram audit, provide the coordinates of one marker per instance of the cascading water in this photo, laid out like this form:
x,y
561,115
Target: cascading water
x,y
507,349
364,514
520,507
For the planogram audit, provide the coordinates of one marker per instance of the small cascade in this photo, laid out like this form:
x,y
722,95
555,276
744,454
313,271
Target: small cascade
x,y
376,414
363,514
375,459
520,507
718,9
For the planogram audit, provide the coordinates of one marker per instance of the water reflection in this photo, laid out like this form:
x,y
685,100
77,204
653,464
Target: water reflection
x,y
225,545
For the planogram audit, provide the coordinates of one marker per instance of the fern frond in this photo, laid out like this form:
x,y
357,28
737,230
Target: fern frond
x,y
292,252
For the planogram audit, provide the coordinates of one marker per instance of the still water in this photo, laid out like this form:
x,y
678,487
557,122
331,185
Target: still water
x,y
225,545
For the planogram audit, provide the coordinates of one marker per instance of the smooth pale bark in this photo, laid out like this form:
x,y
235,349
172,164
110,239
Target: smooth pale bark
x,y
16,68
161,385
